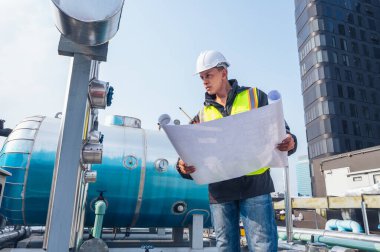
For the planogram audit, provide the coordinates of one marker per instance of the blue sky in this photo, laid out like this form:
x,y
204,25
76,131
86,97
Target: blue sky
x,y
151,59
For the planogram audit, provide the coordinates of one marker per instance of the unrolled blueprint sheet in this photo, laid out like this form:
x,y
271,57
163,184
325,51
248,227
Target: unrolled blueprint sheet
x,y
232,146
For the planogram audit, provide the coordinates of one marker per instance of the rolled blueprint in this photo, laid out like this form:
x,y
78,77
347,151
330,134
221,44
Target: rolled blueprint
x,y
273,96
164,119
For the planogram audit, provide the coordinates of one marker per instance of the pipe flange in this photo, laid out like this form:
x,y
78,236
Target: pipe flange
x,y
179,207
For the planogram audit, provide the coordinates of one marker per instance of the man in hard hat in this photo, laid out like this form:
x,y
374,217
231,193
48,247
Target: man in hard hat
x,y
248,196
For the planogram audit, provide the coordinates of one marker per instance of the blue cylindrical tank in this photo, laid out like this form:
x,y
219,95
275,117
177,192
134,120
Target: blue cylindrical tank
x,y
138,187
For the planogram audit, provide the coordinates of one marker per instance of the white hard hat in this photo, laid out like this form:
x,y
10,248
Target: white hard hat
x,y
209,59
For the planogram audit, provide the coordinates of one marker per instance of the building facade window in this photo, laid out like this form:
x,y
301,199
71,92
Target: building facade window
x,y
363,95
345,60
342,108
348,75
371,24
311,77
351,93
334,57
368,65
374,97
357,62
365,112
376,115
370,80
360,20
358,145
350,18
344,127
368,9
343,44
359,78
352,32
316,110
375,38
337,74
353,110
356,128
365,50
355,47
363,35
376,52
340,91
347,144
368,130
358,7
341,29
377,67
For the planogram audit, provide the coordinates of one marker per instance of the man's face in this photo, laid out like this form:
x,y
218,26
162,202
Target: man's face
x,y
212,79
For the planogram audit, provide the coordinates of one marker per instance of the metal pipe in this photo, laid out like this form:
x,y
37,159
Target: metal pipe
x,y
336,234
344,225
346,242
365,218
296,236
288,207
100,210
94,72
15,234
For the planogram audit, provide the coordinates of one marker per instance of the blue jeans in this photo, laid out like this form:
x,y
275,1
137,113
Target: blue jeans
x,y
257,215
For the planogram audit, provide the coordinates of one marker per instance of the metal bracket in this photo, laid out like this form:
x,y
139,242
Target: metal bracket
x,y
67,47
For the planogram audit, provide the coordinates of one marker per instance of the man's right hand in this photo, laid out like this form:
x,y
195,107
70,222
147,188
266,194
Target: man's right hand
x,y
184,168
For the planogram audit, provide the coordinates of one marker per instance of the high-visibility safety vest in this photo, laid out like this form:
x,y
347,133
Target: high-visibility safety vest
x,y
244,101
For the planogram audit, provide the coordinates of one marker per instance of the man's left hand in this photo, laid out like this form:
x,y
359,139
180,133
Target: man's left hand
x,y
287,144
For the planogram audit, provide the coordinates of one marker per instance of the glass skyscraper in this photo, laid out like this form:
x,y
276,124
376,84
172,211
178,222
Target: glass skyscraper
x,y
303,176
339,54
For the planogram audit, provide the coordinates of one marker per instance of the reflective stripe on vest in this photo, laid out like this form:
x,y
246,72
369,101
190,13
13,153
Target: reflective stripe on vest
x,y
244,101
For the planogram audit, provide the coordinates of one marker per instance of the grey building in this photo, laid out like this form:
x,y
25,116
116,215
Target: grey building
x,y
339,54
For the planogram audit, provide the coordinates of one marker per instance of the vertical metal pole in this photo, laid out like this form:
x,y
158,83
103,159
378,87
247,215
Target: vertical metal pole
x,y
197,232
288,207
177,234
59,222
83,188
365,218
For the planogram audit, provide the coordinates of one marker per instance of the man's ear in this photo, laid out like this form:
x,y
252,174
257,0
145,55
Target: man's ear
x,y
225,73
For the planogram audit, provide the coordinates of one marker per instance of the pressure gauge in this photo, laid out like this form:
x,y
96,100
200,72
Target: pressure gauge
x,y
161,165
